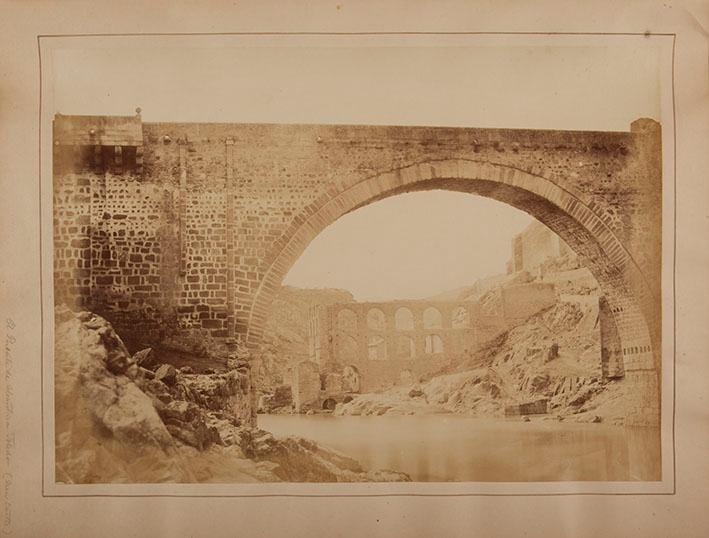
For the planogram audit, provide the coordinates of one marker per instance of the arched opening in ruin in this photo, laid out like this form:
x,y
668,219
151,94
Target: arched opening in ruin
x,y
329,404
376,348
376,320
632,300
347,347
432,318
405,347
404,319
433,345
347,321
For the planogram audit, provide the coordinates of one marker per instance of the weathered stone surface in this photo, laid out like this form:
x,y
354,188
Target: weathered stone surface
x,y
106,428
280,401
553,352
306,386
229,391
416,393
166,373
300,460
145,358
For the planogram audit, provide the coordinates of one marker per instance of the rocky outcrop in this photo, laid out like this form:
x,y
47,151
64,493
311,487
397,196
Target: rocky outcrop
x,y
116,421
106,428
145,358
476,393
553,356
280,401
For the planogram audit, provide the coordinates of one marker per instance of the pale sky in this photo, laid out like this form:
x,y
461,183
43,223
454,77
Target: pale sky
x,y
439,241
591,88
426,242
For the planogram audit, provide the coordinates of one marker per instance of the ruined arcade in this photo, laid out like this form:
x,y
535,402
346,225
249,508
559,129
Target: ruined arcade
x,y
399,342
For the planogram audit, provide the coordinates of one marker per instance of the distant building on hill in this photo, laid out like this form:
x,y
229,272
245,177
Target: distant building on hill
x,y
533,247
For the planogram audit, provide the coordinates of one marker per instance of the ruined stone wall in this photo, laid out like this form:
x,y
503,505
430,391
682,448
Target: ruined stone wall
x,y
306,386
414,340
397,342
535,245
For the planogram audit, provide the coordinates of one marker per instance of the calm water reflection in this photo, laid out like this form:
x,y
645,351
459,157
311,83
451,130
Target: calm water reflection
x,y
439,448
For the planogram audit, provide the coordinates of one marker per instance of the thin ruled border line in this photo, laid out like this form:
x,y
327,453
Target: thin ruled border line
x,y
364,34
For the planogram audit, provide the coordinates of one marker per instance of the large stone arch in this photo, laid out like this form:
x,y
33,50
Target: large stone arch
x,y
568,212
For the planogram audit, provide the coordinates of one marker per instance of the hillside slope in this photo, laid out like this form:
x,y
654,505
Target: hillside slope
x,y
554,355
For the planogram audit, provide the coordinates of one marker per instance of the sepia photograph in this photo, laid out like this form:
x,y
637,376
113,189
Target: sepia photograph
x,y
354,268
265,277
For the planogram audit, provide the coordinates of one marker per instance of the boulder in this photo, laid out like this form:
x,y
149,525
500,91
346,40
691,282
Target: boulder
x,y
116,358
167,374
145,358
539,382
106,427
147,374
179,410
227,392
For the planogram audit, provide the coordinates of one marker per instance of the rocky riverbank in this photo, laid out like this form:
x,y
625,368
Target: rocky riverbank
x,y
552,357
131,419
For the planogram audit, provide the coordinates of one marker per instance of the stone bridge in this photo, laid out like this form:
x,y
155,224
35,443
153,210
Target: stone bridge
x,y
181,233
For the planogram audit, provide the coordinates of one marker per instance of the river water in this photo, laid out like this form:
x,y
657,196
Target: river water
x,y
442,448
